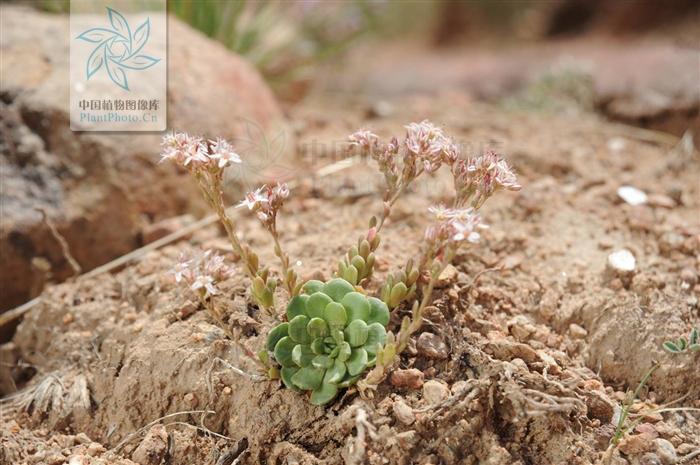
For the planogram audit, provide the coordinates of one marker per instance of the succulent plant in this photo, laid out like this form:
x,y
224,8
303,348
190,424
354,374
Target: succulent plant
x,y
330,339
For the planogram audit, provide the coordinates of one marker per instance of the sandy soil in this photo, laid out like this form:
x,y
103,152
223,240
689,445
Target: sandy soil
x,y
536,342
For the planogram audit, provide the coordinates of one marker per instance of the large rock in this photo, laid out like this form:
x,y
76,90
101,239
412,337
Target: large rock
x,y
100,188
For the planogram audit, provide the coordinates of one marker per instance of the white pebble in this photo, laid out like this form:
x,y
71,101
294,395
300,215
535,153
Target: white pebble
x,y
632,195
622,260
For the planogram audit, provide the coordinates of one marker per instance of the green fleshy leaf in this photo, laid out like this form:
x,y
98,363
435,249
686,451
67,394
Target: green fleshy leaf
x,y
337,288
348,381
357,306
335,372
297,306
287,374
358,262
302,355
356,333
338,336
379,312
335,316
694,347
397,294
334,353
318,346
283,352
683,343
322,361
376,333
351,275
277,333
693,337
325,394
344,352
316,305
357,362
317,328
313,286
308,378
264,357
297,330
671,347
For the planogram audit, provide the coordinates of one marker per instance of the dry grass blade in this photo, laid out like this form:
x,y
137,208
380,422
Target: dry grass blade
x,y
65,249
138,432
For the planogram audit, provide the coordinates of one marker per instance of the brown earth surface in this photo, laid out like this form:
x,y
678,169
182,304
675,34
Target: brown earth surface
x,y
535,341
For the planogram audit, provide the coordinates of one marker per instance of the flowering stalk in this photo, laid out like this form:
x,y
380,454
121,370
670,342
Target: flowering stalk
x,y
267,202
206,163
425,149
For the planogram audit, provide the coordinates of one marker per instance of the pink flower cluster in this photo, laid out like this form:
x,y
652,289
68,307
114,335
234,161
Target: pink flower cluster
x,y
425,149
195,154
426,143
455,225
482,177
201,271
266,202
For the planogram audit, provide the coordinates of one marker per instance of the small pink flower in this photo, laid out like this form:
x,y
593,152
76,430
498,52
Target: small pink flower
x,y
441,211
363,138
178,270
204,282
281,192
254,199
223,152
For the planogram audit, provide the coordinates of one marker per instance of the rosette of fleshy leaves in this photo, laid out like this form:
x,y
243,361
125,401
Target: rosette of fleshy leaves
x,y
332,336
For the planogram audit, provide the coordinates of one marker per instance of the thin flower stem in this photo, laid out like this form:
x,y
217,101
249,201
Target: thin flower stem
x,y
417,318
289,285
217,202
391,203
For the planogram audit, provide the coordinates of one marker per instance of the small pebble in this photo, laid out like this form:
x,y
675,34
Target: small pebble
x,y
95,449
622,260
403,413
82,438
411,378
650,459
458,386
636,444
380,109
431,345
577,332
661,201
648,429
153,447
78,460
665,451
447,277
632,195
434,391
